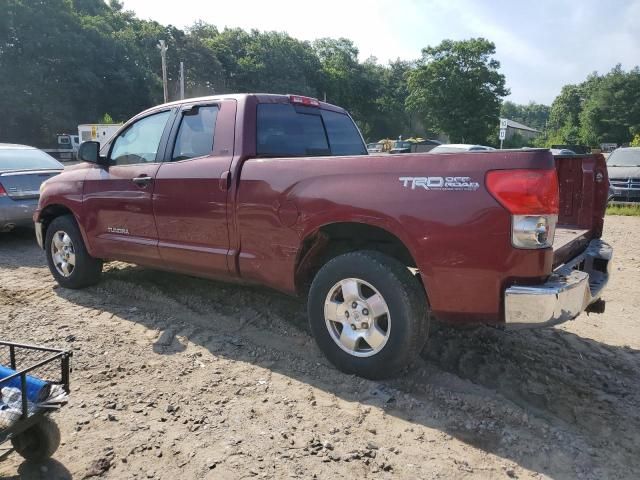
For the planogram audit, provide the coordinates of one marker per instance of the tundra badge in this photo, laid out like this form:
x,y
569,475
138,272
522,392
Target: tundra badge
x,y
120,230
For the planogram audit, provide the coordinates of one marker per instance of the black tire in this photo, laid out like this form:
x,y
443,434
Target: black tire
x,y
39,442
87,270
407,306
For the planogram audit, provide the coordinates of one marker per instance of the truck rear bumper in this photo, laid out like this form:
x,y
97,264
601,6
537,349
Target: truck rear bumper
x,y
568,292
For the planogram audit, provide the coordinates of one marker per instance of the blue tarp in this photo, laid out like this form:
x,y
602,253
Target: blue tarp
x,y
37,390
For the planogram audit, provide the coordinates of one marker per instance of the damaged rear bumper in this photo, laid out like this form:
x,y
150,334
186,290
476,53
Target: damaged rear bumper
x,y
568,292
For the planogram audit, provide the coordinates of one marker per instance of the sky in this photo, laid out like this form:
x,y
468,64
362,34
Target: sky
x,y
541,44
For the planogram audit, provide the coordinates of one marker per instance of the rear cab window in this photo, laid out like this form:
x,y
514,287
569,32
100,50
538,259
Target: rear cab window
x,y
285,130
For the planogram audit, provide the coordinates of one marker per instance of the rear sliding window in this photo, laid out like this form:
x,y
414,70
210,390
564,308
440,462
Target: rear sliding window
x,y
288,131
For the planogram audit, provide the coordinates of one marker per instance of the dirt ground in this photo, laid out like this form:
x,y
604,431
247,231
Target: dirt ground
x,y
181,378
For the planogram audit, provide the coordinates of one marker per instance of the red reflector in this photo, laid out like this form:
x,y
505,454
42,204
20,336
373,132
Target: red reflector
x,y
3,192
308,101
525,192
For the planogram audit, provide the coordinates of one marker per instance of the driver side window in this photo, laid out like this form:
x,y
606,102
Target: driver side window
x,y
139,143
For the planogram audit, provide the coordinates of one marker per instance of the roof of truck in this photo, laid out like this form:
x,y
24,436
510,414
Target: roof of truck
x,y
241,96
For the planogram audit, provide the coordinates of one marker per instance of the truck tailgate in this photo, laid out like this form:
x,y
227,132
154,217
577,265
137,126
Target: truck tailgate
x,y
584,185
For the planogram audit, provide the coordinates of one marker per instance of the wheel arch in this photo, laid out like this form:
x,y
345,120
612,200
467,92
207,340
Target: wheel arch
x,y
55,210
332,239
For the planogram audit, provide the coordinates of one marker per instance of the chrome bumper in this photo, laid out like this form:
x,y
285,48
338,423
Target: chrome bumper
x,y
569,291
38,227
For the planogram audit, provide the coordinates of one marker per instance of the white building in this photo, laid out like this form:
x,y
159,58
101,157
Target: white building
x,y
525,132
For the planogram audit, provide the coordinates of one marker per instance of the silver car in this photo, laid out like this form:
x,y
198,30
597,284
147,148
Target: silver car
x,y
22,171
623,166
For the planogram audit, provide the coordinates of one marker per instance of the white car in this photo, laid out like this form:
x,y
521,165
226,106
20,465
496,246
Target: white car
x,y
460,147
562,151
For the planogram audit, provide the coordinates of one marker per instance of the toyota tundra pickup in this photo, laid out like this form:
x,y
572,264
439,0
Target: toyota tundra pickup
x,y
278,190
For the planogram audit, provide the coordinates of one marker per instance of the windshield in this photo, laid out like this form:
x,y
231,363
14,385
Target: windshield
x,y
624,157
402,145
26,159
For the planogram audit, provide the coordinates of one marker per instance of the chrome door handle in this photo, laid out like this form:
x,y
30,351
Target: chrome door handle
x,y
142,181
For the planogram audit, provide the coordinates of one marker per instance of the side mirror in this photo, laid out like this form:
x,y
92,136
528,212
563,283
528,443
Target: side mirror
x,y
90,152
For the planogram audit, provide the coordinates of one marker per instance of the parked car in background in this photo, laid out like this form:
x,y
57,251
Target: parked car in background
x,y
562,151
22,171
412,145
460,147
401,146
375,147
623,166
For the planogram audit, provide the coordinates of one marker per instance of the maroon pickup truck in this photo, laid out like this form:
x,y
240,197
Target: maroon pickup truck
x,y
279,190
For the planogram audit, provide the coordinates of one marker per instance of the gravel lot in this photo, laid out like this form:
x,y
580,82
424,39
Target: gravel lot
x,y
180,378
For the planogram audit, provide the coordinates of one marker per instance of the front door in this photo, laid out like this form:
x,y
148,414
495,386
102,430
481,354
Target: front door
x,y
190,196
118,199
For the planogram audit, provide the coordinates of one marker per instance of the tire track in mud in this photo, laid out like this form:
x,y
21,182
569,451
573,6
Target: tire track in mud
x,y
590,388
550,400
221,317
24,296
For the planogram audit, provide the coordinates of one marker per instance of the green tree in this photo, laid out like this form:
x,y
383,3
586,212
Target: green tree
x,y
457,89
603,108
348,83
106,118
270,62
391,117
611,107
61,64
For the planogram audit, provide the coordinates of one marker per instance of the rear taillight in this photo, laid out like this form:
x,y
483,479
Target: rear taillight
x,y
524,192
306,101
532,197
3,192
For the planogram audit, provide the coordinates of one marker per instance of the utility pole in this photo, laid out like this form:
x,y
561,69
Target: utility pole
x,y
163,53
181,80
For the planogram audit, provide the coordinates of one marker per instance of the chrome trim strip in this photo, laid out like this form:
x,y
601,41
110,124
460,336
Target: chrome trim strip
x,y
14,173
23,193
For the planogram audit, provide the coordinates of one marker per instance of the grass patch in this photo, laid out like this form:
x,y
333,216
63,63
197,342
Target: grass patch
x,y
627,210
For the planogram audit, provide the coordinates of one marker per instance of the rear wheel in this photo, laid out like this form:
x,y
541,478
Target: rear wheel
x,y
68,259
38,442
368,314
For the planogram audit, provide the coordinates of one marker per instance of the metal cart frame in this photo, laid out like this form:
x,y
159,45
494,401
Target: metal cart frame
x,y
29,419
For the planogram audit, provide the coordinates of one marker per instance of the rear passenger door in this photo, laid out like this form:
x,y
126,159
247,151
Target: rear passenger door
x,y
190,196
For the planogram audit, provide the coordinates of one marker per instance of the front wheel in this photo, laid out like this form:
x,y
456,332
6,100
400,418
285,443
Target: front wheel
x,y
368,314
67,256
